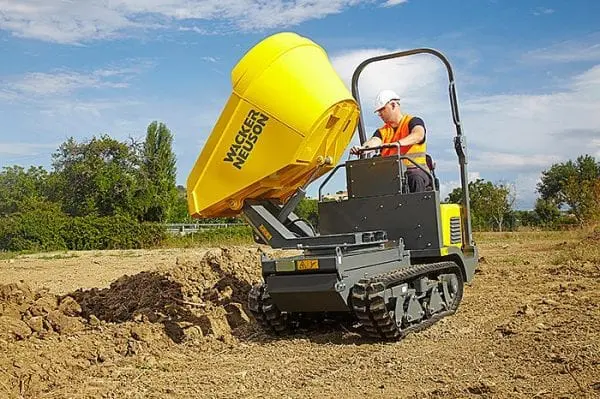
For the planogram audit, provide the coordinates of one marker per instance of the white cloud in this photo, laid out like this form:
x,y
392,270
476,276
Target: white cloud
x,y
417,79
588,82
512,136
446,187
543,11
560,124
210,59
195,29
580,49
511,161
525,185
63,21
38,83
595,148
7,95
50,120
391,3
71,21
63,82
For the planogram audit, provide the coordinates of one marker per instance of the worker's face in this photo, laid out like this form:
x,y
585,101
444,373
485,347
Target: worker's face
x,y
386,112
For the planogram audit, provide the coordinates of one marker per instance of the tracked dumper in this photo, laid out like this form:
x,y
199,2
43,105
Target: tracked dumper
x,y
393,261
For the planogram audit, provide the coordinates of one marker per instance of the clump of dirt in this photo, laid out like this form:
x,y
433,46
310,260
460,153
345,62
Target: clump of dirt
x,y
593,236
48,342
223,275
26,313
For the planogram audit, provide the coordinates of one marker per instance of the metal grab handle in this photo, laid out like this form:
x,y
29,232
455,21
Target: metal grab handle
x,y
397,145
379,147
329,176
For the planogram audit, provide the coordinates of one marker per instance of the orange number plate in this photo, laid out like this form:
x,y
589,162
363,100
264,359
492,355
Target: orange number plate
x,y
307,264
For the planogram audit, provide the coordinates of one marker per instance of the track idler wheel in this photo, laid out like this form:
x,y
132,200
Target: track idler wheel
x,y
266,312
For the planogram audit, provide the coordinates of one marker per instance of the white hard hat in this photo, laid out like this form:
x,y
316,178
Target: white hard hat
x,y
384,97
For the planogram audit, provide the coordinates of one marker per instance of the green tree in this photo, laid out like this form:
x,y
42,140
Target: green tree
x,y
98,177
547,213
574,184
158,174
491,204
22,189
180,213
500,199
526,218
307,209
37,229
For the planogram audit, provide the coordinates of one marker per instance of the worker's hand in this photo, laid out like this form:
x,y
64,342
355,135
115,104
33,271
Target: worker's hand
x,y
356,149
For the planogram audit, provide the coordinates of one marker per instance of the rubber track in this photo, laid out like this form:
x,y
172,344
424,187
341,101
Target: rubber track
x,y
265,312
369,305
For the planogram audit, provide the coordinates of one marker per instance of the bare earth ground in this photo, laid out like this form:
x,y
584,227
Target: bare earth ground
x,y
172,324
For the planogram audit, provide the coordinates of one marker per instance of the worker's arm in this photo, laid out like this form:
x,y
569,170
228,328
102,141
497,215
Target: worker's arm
x,y
372,142
416,136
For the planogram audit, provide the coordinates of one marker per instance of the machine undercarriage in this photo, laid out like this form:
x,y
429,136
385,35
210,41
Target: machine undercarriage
x,y
386,306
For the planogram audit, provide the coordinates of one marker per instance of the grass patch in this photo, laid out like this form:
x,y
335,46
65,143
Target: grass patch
x,y
524,236
58,256
8,255
127,254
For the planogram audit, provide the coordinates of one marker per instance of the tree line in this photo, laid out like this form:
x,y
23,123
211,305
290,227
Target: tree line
x,y
104,193
100,193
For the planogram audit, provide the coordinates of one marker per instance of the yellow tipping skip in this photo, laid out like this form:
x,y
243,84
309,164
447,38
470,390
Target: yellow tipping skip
x,y
287,122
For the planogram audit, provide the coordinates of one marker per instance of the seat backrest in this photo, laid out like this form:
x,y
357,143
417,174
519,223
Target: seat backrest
x,y
431,166
430,163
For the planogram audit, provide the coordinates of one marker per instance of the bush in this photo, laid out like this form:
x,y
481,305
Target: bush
x,y
36,230
111,232
51,230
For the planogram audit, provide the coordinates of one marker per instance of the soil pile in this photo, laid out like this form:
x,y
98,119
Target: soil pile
x,y
51,338
26,313
206,296
203,296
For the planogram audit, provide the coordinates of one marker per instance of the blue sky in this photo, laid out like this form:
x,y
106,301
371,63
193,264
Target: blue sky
x,y
527,72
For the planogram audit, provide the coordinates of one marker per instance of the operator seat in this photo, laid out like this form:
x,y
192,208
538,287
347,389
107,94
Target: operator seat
x,y
431,166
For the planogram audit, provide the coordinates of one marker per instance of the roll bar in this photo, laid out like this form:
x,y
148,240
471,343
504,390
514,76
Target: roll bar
x,y
460,144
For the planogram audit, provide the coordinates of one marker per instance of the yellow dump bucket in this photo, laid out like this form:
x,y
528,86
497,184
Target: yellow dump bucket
x,y
287,122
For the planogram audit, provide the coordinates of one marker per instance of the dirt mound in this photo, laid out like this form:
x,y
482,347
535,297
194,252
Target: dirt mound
x,y
25,313
223,274
197,301
196,297
48,341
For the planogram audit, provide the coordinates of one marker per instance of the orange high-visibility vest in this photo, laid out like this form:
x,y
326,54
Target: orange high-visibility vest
x,y
416,152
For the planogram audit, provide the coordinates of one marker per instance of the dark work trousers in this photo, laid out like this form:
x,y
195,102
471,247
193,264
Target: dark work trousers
x,y
418,180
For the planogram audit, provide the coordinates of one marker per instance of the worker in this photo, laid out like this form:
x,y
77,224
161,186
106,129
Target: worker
x,y
408,131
